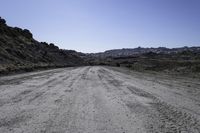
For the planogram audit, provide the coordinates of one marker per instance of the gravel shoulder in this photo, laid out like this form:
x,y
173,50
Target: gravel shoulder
x,y
98,100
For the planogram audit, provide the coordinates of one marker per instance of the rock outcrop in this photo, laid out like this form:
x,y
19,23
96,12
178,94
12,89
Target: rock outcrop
x,y
19,51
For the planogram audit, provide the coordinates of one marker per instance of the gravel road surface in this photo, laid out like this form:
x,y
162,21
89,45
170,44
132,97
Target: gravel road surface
x,y
98,100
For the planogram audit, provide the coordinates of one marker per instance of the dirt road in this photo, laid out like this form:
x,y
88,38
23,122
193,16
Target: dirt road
x,y
98,100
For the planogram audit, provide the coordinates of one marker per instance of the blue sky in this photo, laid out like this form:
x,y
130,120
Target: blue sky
x,y
99,25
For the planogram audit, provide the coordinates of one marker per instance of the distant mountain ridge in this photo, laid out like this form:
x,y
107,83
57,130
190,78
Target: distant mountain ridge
x,y
19,51
138,51
175,60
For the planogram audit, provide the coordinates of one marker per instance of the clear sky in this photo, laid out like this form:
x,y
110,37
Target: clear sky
x,y
98,25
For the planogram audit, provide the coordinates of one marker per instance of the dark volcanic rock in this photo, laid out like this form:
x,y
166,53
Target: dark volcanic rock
x,y
2,21
19,51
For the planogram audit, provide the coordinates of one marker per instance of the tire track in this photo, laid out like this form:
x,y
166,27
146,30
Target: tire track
x,y
92,100
61,116
166,117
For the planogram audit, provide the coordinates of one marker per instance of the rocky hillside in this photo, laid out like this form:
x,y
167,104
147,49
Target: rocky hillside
x,y
19,51
180,60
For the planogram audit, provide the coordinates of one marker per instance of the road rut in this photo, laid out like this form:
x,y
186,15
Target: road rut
x,y
98,100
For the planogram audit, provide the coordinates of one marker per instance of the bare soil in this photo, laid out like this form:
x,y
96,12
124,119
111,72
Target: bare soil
x,y
98,100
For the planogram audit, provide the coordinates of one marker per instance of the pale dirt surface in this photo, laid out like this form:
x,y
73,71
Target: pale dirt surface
x,y
98,100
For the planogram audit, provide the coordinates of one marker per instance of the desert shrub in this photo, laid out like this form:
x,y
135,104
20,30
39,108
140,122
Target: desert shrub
x,y
2,21
128,65
102,63
19,54
196,68
53,46
19,30
117,64
125,62
8,50
27,33
28,69
44,43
